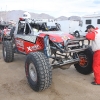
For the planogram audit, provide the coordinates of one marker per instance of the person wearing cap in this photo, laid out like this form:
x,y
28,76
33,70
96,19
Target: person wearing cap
x,y
94,35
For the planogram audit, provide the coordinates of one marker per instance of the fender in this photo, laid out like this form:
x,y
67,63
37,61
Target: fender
x,y
58,37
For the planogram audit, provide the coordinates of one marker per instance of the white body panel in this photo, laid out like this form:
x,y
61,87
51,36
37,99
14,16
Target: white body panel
x,y
68,25
93,19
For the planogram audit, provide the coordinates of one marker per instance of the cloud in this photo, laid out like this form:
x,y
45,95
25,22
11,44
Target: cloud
x,y
53,7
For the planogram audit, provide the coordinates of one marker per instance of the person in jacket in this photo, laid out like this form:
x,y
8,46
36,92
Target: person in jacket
x,y
94,35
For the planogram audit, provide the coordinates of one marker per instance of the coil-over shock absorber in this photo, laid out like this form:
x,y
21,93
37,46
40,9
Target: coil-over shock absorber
x,y
47,49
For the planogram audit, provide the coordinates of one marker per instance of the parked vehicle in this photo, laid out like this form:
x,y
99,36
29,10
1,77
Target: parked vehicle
x,y
6,31
68,26
93,19
2,27
46,49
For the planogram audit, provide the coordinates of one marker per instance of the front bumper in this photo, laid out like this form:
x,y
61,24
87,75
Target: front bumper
x,y
74,45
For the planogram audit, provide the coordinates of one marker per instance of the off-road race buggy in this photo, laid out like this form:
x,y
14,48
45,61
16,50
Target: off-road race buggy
x,y
2,27
47,48
6,31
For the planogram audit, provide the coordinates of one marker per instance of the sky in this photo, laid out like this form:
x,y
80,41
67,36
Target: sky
x,y
54,8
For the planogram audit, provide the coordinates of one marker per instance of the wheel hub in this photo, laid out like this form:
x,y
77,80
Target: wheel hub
x,y
32,72
77,34
83,61
4,51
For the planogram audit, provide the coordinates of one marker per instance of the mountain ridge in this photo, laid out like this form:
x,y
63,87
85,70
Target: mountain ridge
x,y
15,14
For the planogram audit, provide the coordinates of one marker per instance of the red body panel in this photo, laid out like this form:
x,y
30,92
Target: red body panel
x,y
27,47
20,44
57,37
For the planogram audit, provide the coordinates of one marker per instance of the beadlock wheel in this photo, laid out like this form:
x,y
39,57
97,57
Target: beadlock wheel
x,y
32,72
84,66
4,52
83,60
38,71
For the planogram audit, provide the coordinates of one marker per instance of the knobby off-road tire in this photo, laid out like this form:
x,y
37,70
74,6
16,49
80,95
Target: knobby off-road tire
x,y
8,53
87,68
38,71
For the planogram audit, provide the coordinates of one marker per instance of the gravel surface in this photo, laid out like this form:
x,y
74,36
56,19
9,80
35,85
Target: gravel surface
x,y
66,85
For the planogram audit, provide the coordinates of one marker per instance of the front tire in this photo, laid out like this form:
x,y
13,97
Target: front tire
x,y
38,71
85,64
8,53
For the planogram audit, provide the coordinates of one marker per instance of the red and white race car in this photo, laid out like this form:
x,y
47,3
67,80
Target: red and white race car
x,y
6,32
46,48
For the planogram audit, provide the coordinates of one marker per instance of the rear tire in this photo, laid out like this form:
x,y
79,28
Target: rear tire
x,y
8,53
38,71
87,68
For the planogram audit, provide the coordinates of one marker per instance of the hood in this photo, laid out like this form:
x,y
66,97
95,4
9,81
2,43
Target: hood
x,y
57,36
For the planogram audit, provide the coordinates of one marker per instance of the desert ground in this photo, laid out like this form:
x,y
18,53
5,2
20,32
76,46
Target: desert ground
x,y
66,84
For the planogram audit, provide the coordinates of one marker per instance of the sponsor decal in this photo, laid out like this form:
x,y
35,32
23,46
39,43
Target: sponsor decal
x,y
32,48
64,37
53,39
20,43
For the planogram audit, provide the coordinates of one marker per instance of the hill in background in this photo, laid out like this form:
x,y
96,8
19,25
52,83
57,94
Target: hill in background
x,y
15,14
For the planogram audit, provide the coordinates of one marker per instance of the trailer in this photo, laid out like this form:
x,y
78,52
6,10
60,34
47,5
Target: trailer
x,y
93,19
68,26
